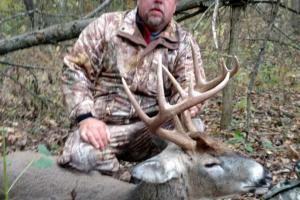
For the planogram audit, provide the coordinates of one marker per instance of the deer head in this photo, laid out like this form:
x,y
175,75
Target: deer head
x,y
204,165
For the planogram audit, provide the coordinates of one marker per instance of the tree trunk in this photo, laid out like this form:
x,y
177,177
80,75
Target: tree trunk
x,y
30,9
258,62
295,18
50,35
232,50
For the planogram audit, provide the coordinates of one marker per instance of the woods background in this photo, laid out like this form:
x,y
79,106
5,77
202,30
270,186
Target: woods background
x,y
258,113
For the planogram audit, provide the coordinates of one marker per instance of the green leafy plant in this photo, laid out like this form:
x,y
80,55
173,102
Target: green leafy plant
x,y
267,144
242,105
5,178
239,138
6,187
43,162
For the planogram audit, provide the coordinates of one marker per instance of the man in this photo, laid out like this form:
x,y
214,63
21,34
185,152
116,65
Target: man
x,y
121,44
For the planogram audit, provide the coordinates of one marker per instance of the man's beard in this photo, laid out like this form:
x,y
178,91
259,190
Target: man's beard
x,y
153,21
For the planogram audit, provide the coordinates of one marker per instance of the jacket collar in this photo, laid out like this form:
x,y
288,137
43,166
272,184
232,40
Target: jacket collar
x,y
129,30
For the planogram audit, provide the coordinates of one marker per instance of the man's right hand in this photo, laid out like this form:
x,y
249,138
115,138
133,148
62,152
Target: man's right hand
x,y
94,132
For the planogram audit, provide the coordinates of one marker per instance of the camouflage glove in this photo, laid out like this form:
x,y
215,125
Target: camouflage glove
x,y
286,190
297,169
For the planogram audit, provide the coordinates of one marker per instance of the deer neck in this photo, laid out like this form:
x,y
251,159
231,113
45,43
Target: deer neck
x,y
171,190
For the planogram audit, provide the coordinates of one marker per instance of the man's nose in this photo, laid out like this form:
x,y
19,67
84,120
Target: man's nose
x,y
158,1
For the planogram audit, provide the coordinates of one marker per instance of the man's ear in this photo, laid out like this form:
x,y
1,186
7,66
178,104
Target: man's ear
x,y
175,7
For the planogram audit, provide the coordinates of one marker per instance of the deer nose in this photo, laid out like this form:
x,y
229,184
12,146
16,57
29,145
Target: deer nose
x,y
268,176
266,179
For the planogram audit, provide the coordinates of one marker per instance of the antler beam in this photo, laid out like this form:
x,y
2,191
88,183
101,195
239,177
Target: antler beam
x,y
199,93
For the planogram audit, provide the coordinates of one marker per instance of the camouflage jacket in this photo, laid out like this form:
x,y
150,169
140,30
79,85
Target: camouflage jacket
x,y
112,47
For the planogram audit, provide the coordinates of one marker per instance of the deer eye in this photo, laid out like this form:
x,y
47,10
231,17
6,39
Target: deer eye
x,y
212,164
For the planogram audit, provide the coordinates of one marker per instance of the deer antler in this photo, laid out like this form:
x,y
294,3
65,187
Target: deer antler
x,y
202,92
201,84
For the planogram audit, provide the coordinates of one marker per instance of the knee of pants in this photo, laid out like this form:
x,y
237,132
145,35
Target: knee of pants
x,y
85,157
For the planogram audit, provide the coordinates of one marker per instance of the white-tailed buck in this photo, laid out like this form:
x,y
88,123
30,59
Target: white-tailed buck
x,y
193,166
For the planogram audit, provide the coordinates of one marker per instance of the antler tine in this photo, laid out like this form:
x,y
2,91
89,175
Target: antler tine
x,y
162,103
170,135
192,100
181,91
165,113
201,84
136,105
186,115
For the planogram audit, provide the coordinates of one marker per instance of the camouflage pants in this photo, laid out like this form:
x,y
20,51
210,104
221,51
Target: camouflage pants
x,y
286,190
131,142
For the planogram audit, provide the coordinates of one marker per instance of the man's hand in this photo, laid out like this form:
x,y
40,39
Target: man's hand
x,y
195,110
95,132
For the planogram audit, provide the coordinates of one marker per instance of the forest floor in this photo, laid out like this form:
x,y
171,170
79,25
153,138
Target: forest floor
x,y
273,139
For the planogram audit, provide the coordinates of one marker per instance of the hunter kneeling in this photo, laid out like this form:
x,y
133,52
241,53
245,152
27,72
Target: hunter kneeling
x,y
123,44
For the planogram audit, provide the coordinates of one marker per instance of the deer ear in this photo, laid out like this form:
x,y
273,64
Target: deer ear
x,y
153,171
160,168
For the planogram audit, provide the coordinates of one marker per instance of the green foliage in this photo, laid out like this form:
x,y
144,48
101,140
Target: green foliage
x,y
45,160
242,105
11,23
8,6
43,163
42,149
5,178
267,144
248,147
269,73
239,138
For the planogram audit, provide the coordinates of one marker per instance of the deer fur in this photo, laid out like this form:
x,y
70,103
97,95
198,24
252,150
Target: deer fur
x,y
172,174
204,169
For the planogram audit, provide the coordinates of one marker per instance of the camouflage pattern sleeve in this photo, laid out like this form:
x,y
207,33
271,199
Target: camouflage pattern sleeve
x,y
81,66
184,69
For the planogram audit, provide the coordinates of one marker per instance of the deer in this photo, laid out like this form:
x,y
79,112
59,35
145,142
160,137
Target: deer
x,y
192,166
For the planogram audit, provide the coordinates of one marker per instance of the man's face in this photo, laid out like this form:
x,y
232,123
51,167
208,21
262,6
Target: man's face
x,y
156,14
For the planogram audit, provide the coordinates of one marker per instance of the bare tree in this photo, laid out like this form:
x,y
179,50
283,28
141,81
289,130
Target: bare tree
x,y
258,62
295,18
30,9
232,50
